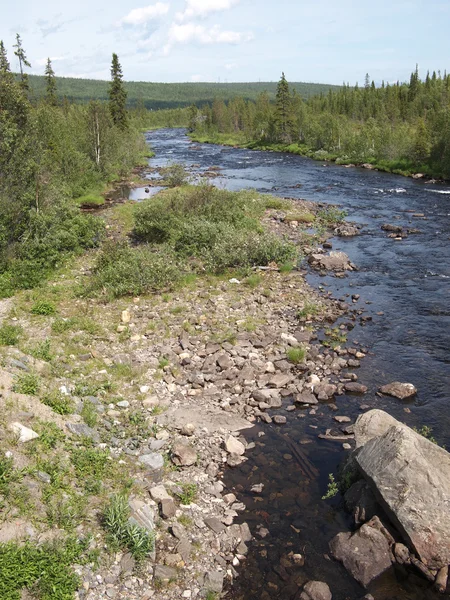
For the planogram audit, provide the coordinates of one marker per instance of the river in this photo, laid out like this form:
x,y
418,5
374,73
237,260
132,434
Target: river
x,y
405,287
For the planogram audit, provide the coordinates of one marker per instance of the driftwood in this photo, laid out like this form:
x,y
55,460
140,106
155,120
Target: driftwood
x,y
306,466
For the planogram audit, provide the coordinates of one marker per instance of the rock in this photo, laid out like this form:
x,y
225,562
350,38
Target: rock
x,y
342,419
373,423
257,488
279,420
411,477
346,230
324,391
25,433
401,554
360,502
280,380
213,581
214,524
183,455
188,429
164,574
126,316
234,446
305,398
224,362
335,261
234,460
158,493
399,390
141,514
83,430
123,404
152,460
365,554
355,387
393,228
167,508
127,563
213,420
316,590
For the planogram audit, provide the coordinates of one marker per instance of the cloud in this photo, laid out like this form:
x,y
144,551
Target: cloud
x,y
49,27
41,62
197,78
230,66
141,16
201,8
191,32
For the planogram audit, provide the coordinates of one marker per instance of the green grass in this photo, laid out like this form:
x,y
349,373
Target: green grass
x,y
27,383
286,267
59,403
42,351
93,200
89,413
43,307
253,281
188,492
300,217
123,534
296,355
45,568
309,309
9,334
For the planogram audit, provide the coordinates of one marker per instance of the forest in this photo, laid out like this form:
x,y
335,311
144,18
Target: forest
x,y
402,128
155,96
51,154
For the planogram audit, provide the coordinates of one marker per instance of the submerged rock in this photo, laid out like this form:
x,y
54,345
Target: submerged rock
x,y
399,390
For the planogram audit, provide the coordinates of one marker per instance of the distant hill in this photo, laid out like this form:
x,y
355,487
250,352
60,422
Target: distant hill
x,y
169,95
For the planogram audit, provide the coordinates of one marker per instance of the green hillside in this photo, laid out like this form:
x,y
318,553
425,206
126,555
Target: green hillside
x,y
169,95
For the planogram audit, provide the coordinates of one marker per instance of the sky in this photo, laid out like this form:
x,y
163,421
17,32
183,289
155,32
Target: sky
x,y
325,41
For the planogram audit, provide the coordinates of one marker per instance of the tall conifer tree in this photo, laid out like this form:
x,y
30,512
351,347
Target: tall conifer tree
x,y
284,123
23,62
117,95
50,79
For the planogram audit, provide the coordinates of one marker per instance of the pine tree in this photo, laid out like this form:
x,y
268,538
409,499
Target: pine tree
x,y
50,79
20,53
4,63
117,95
283,119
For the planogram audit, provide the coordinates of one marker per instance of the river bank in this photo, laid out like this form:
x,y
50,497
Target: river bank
x,y
240,141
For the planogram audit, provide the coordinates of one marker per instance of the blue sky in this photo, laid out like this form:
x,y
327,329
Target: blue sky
x,y
326,41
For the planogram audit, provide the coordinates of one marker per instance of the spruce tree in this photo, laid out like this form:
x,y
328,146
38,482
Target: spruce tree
x,y
4,63
20,53
117,95
50,94
283,118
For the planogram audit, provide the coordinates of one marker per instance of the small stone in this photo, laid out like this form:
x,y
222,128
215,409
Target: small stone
x,y
153,460
215,525
342,419
234,446
213,581
279,420
25,433
167,508
316,590
188,429
355,387
83,430
183,455
164,574
123,404
126,316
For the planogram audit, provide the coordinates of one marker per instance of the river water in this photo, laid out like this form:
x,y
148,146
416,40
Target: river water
x,y
409,282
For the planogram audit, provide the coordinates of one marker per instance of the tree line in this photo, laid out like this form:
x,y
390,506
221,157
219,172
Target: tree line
x,y
401,127
52,152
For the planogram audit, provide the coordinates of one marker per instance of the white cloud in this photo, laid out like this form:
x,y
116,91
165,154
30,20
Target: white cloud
x,y
230,66
197,78
190,32
139,16
201,8
41,62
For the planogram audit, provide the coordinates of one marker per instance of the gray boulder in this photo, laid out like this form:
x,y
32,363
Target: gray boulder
x,y
365,554
335,261
411,479
316,590
399,390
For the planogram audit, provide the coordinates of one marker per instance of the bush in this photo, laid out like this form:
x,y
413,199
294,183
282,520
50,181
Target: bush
x,y
296,355
9,334
27,383
175,175
59,403
121,271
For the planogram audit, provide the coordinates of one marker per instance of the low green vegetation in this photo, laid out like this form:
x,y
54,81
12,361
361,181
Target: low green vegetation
x,y
27,383
332,489
45,568
309,309
189,229
43,308
125,535
9,334
59,403
187,493
296,355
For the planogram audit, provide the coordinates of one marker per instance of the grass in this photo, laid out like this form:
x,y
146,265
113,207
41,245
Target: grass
x,y
296,355
91,200
45,569
301,217
286,267
42,351
43,307
253,281
123,534
27,383
188,493
59,403
310,309
89,413
9,334
331,216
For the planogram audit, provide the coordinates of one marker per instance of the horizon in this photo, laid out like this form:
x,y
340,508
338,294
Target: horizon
x,y
228,41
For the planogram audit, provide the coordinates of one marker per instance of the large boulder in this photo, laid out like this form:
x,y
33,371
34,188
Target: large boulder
x,y
411,479
365,554
335,261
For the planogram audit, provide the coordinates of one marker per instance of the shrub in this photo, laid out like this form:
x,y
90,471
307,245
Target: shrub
x,y
121,271
123,534
43,308
9,334
175,175
331,215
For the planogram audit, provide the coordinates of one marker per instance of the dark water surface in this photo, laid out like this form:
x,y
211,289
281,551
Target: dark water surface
x,y
409,281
